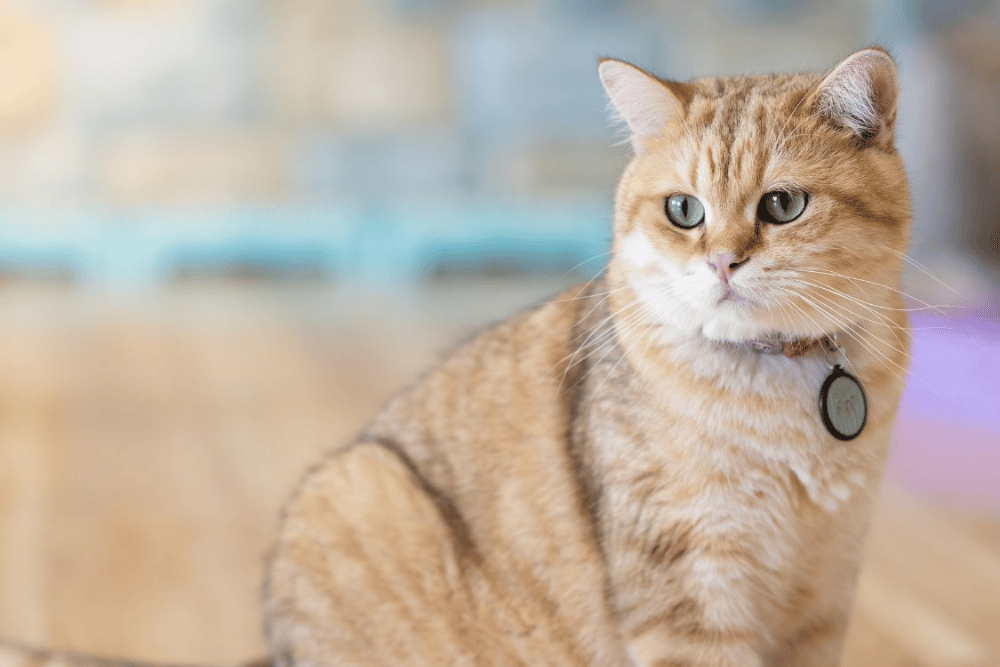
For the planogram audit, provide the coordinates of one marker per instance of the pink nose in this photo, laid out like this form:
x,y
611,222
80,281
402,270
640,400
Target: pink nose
x,y
725,264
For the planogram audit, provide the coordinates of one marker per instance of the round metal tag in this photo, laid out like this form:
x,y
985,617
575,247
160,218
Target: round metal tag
x,y
842,405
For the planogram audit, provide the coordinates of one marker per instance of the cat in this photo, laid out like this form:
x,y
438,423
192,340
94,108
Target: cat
x,y
644,470
649,470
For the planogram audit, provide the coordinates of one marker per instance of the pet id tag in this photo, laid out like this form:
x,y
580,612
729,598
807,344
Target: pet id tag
x,y
842,405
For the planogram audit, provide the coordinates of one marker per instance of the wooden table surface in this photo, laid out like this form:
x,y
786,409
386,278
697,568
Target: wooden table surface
x,y
145,450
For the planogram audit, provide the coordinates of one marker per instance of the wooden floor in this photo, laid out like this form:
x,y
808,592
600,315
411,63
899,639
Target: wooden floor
x,y
145,451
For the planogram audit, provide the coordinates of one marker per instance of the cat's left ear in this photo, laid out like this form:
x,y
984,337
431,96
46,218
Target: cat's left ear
x,y
646,103
860,95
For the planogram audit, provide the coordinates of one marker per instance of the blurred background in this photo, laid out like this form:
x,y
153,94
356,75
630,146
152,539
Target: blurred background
x,y
230,229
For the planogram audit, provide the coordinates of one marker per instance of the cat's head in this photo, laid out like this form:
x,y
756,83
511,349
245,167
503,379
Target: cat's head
x,y
764,204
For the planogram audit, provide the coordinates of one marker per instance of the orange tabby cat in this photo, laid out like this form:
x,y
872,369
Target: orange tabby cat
x,y
649,469
663,467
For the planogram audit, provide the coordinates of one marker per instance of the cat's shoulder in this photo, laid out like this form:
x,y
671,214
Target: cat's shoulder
x,y
538,334
517,365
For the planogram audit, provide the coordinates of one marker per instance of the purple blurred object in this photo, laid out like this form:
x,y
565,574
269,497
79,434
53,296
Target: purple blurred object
x,y
947,437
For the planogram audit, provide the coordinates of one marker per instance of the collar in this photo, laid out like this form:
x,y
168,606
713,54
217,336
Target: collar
x,y
790,348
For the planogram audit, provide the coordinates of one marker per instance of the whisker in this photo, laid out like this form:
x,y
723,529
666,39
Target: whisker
x,y
920,267
594,294
604,330
883,319
609,339
884,322
915,363
792,304
587,261
606,318
926,305
627,322
866,344
624,325
606,295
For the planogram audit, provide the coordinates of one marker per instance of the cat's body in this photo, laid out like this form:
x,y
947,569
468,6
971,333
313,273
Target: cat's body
x,y
618,477
503,513
621,477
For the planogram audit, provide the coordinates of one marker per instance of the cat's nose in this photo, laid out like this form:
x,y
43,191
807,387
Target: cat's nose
x,y
725,264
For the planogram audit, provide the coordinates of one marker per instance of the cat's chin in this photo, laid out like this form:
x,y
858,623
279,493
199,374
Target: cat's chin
x,y
723,330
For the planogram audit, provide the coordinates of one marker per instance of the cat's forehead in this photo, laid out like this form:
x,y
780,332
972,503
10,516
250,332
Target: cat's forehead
x,y
734,135
722,105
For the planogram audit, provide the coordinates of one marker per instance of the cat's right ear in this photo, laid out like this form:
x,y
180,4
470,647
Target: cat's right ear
x,y
645,103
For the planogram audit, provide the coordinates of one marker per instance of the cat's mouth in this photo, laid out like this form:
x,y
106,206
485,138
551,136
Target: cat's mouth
x,y
732,296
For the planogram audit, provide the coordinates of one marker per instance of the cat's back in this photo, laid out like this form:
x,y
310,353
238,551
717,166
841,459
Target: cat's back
x,y
458,513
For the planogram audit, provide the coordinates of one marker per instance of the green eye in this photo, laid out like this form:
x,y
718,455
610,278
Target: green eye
x,y
781,206
685,211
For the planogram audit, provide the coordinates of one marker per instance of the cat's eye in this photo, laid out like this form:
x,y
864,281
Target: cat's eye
x,y
781,206
685,211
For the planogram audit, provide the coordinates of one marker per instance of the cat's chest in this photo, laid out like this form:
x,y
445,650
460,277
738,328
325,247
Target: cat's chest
x,y
723,409
737,452
720,485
